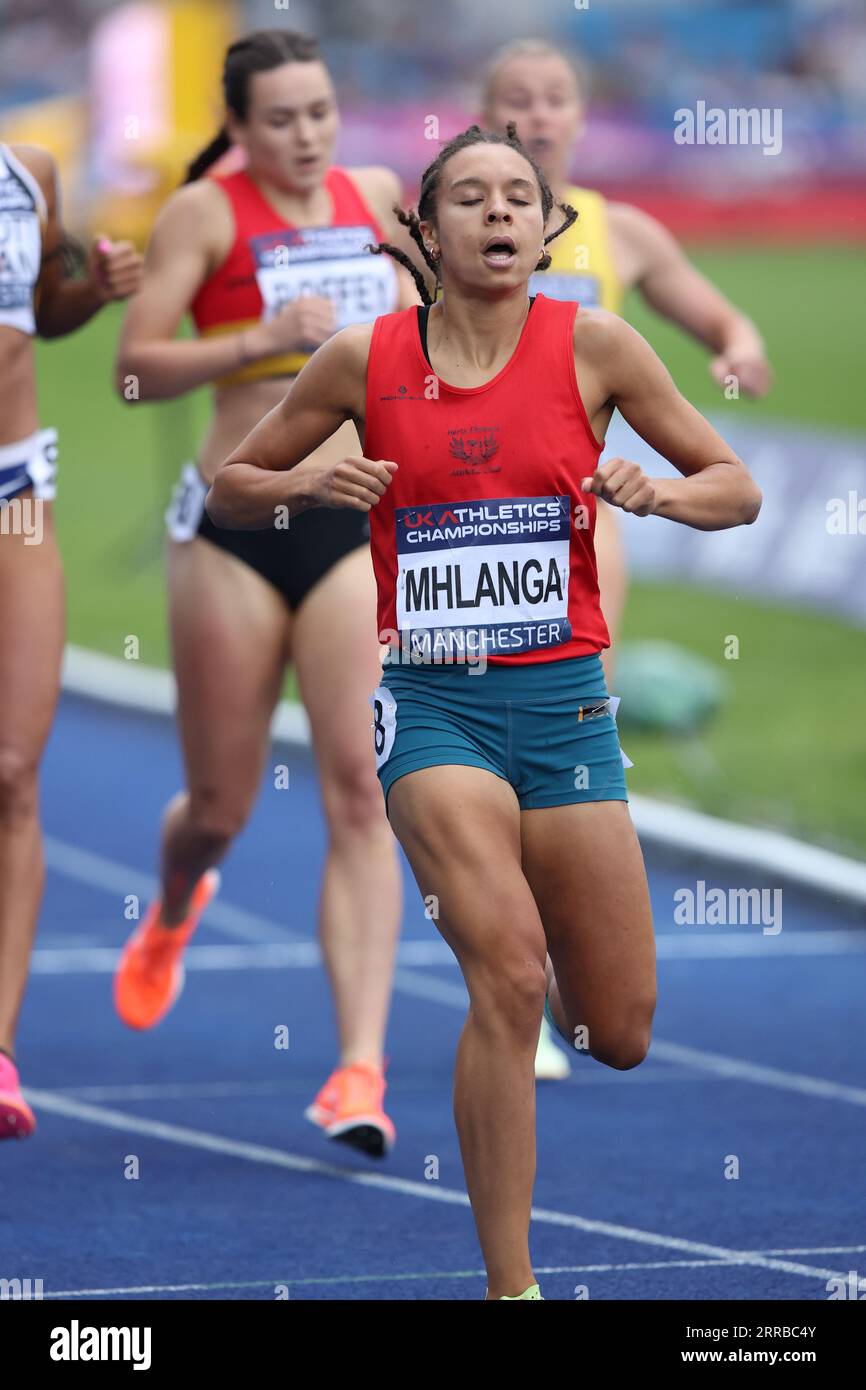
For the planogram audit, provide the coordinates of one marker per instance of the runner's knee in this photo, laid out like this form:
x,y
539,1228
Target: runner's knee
x,y
352,797
624,1042
18,785
214,819
507,994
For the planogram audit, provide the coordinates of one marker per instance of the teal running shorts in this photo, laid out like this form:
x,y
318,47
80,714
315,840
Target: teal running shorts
x,y
545,728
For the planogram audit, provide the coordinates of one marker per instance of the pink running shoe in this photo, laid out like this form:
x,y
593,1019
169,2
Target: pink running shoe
x,y
17,1120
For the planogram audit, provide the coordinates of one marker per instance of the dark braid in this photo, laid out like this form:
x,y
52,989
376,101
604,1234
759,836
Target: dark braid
x,y
571,216
430,180
413,222
385,248
257,52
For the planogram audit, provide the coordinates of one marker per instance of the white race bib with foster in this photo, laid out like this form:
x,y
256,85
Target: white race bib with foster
x,y
330,262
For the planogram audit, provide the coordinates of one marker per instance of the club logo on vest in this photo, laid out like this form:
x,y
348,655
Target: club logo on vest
x,y
403,393
475,446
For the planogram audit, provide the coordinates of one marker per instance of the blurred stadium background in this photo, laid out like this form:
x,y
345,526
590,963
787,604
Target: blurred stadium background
x,y
125,94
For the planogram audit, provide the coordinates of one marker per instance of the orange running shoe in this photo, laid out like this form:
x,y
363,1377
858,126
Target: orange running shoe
x,y
150,975
349,1109
16,1118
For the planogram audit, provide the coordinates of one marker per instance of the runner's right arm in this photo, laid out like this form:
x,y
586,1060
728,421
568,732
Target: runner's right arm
x,y
263,474
191,237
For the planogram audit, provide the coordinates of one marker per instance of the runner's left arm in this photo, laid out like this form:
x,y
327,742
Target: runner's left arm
x,y
677,290
621,370
112,270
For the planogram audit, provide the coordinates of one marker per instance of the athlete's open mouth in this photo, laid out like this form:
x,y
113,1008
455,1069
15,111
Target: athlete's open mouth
x,y
499,250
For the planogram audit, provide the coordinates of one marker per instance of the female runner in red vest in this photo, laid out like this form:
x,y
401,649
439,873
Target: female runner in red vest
x,y
497,753
270,261
36,297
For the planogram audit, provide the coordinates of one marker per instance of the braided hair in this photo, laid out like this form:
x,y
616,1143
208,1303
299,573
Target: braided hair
x,y
257,52
430,181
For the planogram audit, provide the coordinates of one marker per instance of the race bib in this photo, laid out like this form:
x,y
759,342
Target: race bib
x,y
384,708
329,262
186,508
487,577
43,465
584,289
20,258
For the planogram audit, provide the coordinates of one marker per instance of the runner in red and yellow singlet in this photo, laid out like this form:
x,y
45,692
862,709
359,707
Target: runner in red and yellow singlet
x,y
270,261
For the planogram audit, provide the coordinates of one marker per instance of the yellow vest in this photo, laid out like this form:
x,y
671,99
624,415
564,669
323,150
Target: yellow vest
x,y
582,264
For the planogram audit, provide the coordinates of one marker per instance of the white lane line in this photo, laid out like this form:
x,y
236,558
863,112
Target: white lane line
x,y
162,1288
102,960
105,873
289,955
93,959
219,1090
703,943
193,1090
637,1265
821,1250
69,941
734,1069
277,1158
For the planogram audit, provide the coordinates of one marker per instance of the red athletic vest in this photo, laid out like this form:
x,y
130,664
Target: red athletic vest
x,y
483,541
271,262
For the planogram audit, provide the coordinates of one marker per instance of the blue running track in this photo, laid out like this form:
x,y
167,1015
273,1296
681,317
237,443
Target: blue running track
x,y
760,1056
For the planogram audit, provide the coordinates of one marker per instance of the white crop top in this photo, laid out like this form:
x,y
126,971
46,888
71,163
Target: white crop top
x,y
22,216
